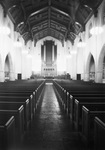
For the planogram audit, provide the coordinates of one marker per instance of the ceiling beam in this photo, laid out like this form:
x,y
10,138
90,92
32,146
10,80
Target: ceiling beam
x,y
36,12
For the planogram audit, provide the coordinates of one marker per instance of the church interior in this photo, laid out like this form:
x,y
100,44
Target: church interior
x,y
52,75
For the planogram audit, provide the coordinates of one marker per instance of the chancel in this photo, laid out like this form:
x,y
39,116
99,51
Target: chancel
x,y
49,57
52,75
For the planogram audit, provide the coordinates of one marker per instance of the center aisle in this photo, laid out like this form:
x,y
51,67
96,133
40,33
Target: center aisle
x,y
51,129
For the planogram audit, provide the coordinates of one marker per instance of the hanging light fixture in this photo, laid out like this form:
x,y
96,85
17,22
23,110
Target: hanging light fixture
x,y
24,52
81,44
73,52
68,56
17,43
96,30
29,55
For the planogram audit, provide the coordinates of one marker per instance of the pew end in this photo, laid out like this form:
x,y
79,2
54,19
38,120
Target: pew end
x,y
7,132
99,133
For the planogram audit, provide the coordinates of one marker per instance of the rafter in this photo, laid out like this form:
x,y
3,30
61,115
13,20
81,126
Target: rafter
x,y
56,16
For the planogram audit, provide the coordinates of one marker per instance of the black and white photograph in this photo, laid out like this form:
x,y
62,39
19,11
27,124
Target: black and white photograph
x,y
52,74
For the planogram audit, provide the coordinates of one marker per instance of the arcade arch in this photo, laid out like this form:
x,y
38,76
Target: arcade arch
x,y
90,68
101,65
8,68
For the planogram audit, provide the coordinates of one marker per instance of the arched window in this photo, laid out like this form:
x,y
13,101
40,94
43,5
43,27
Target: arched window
x,y
92,69
9,26
90,26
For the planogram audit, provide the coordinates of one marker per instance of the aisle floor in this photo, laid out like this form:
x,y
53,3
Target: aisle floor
x,y
51,128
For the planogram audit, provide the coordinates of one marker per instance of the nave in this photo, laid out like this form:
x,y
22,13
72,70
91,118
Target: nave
x,y
52,114
51,129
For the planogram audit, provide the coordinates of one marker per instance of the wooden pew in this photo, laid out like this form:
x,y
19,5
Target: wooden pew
x,y
16,90
74,104
88,115
17,111
19,101
78,111
7,132
59,92
69,101
81,87
26,85
62,94
85,94
85,91
99,133
38,93
14,93
32,95
79,96
25,99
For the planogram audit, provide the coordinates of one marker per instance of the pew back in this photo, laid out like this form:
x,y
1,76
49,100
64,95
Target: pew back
x,y
29,102
7,131
19,120
74,103
99,133
88,123
96,106
10,104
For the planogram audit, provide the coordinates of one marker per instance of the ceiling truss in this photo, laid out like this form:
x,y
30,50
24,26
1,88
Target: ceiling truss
x,y
61,19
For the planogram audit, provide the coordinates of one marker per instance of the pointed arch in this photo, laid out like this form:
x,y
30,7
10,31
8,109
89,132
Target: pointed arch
x,y
8,67
90,67
101,64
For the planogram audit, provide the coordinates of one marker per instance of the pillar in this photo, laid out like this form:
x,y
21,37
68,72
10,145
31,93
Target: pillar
x,y
44,53
52,53
86,78
12,76
98,77
2,76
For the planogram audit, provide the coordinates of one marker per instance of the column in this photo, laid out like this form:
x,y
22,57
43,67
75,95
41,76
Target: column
x,y
2,76
55,52
12,76
42,53
86,77
52,53
98,77
45,53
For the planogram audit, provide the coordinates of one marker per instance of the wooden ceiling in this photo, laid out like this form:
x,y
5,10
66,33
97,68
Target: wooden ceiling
x,y
61,19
